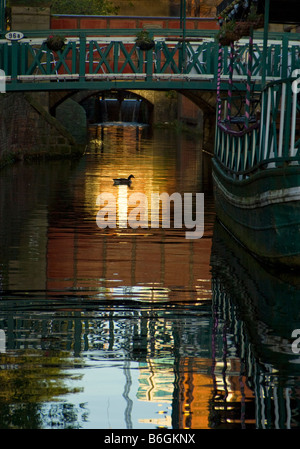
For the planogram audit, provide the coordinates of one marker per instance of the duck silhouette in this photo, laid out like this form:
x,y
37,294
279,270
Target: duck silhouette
x,y
123,181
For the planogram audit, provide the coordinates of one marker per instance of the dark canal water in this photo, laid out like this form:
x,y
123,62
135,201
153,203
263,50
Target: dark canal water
x,y
136,328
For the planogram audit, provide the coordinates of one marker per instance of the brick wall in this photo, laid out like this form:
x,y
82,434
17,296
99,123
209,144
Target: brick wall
x,y
27,130
130,22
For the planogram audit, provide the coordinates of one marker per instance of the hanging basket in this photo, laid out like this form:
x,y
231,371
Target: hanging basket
x,y
228,38
55,43
244,28
145,45
144,41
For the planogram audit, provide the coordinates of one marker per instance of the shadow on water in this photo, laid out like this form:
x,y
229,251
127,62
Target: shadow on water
x,y
135,328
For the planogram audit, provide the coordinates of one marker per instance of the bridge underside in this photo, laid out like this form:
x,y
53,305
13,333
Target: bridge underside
x,y
73,82
205,100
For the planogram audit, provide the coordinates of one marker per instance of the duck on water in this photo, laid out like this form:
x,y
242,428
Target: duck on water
x,y
123,181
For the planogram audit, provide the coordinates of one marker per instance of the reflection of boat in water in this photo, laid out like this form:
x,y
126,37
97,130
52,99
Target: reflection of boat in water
x,y
255,312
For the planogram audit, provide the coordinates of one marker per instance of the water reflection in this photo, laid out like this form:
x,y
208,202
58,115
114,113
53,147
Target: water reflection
x,y
123,367
103,322
135,328
256,373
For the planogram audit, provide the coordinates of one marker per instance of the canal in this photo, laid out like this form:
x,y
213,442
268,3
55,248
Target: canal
x,y
136,328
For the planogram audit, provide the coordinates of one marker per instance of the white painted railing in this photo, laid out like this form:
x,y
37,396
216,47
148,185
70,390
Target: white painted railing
x,y
271,140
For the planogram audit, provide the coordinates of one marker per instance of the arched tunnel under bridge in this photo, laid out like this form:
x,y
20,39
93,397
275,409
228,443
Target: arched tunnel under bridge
x,y
77,110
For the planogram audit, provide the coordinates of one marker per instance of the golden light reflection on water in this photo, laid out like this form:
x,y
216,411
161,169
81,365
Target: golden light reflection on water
x,y
116,328
76,259
145,262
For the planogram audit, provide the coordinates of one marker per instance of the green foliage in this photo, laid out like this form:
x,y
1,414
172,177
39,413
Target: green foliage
x,y
144,40
85,7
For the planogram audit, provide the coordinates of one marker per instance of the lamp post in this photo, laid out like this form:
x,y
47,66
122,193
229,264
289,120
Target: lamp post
x,y
183,17
183,27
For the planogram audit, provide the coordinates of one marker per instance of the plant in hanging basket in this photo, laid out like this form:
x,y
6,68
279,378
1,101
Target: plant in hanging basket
x,y
144,41
243,29
253,20
256,20
55,43
227,33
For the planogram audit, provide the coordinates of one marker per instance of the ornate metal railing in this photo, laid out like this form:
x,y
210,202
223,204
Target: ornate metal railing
x,y
271,140
87,58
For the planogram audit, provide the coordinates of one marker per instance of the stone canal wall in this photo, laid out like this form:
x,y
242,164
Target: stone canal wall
x,y
27,129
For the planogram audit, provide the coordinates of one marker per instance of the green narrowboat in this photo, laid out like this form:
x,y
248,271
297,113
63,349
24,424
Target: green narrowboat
x,y
256,163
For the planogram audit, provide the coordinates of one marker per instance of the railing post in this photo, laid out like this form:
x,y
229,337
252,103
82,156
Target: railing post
x,y
82,53
262,125
2,17
140,60
5,60
23,58
284,55
14,60
149,65
116,56
182,66
287,128
293,125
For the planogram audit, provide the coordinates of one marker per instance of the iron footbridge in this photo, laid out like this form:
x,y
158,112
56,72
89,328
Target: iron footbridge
x,y
104,62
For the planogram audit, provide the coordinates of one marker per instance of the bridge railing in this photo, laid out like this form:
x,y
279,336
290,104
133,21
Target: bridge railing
x,y
88,57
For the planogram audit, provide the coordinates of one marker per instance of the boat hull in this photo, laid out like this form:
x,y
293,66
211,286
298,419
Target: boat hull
x,y
262,212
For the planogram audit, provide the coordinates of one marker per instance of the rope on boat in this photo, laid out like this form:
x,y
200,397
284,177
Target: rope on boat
x,y
219,104
249,75
230,80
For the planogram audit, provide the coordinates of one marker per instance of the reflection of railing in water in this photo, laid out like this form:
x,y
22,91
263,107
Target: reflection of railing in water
x,y
274,405
251,350
143,338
